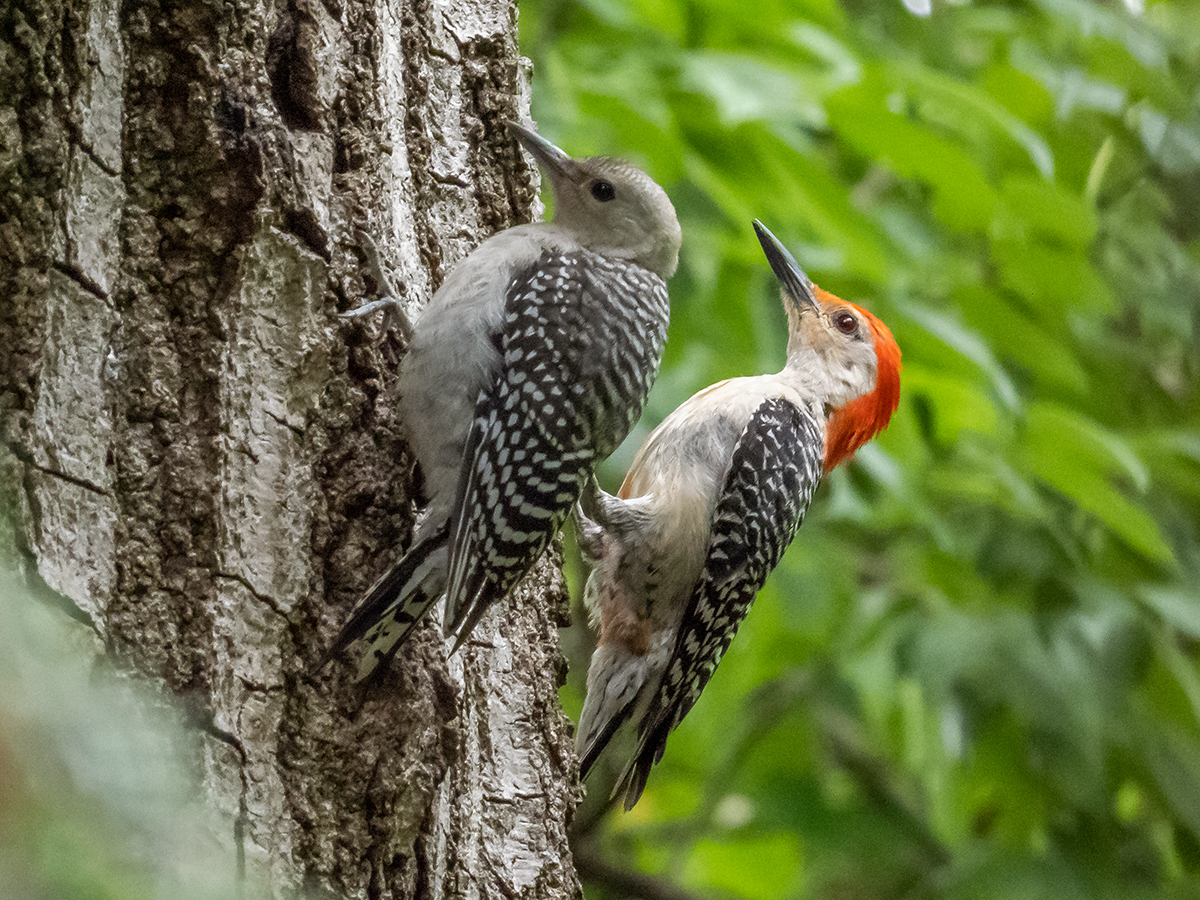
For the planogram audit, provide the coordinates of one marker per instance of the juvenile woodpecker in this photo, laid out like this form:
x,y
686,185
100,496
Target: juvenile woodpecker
x,y
529,365
712,500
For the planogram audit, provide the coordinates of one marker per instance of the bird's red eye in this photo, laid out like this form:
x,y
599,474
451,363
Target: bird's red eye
x,y
845,322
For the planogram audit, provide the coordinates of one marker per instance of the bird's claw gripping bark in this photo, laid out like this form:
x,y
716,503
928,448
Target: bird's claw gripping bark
x,y
389,298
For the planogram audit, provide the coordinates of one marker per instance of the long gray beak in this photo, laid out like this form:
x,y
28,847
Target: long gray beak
x,y
556,163
791,277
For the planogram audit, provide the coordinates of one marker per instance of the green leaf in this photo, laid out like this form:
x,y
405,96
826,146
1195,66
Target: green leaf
x,y
970,345
870,117
1178,607
1031,208
1175,145
976,105
1052,280
957,405
743,88
1078,458
1014,335
757,867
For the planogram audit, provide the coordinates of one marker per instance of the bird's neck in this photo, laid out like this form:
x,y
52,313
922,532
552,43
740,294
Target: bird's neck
x,y
810,374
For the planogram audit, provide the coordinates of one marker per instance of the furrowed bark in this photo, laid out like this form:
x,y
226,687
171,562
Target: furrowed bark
x,y
204,462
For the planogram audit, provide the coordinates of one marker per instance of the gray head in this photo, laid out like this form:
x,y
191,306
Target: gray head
x,y
612,207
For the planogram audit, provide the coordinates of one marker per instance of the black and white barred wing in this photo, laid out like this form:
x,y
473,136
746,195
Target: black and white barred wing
x,y
776,467
582,340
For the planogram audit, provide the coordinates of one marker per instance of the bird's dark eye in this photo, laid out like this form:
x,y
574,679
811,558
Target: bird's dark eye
x,y
845,322
603,191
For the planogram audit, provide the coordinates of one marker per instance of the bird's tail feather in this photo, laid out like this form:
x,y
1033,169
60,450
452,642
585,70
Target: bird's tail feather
x,y
465,620
590,751
632,782
616,678
388,635
397,601
654,724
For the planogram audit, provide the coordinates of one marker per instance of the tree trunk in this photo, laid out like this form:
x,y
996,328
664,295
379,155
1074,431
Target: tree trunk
x,y
204,461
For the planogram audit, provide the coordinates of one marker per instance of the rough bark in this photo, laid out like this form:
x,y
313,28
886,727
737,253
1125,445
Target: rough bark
x,y
204,462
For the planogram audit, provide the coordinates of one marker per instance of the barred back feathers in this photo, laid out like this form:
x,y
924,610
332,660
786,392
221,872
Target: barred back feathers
x,y
529,364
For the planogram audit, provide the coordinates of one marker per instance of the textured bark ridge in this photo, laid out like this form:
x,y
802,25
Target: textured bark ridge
x,y
203,461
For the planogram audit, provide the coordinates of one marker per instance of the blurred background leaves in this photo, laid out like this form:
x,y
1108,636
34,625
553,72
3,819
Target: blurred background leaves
x,y
977,673
100,796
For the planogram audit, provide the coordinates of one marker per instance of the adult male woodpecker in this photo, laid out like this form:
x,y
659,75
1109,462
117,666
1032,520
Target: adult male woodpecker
x,y
713,499
530,364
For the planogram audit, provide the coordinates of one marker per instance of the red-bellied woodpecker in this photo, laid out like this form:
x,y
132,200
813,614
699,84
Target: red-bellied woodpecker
x,y
529,365
712,500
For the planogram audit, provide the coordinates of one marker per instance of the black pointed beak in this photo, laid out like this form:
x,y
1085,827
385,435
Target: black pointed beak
x,y
556,163
791,277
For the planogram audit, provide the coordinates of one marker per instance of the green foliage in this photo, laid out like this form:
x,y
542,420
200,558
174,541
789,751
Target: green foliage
x,y
977,673
96,801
